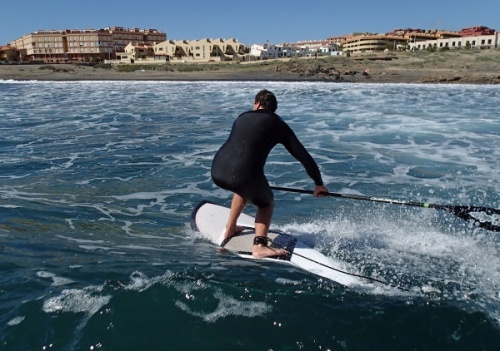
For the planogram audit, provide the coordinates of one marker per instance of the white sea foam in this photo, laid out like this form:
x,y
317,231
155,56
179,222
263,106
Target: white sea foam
x,y
86,300
102,166
16,320
449,265
56,281
226,305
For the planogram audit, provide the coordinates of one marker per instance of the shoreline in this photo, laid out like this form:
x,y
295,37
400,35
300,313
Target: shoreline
x,y
461,67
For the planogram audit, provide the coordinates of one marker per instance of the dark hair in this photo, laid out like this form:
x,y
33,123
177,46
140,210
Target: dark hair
x,y
267,100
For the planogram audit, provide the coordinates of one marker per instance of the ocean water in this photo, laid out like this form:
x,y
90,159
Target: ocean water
x,y
98,181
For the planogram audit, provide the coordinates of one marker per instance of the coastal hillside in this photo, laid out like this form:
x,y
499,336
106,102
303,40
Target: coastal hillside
x,y
459,66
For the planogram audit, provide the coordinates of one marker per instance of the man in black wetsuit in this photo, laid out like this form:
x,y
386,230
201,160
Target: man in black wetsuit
x,y
238,166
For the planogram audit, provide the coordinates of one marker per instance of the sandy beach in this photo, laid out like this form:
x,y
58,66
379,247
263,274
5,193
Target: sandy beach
x,y
457,67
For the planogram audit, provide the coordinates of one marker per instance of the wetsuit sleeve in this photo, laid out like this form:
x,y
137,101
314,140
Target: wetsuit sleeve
x,y
297,150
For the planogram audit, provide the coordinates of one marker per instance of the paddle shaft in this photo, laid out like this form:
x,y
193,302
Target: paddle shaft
x,y
463,212
358,197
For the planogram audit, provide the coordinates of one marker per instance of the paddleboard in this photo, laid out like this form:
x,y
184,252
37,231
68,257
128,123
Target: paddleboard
x,y
209,219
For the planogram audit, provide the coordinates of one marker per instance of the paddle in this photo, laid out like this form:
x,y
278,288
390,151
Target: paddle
x,y
463,212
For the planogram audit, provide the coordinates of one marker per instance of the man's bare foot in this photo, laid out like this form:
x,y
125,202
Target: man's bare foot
x,y
230,232
261,251
264,251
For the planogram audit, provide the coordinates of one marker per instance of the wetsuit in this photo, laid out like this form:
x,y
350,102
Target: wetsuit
x,y
238,166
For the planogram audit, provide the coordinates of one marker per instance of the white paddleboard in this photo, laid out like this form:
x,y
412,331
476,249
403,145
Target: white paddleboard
x,y
210,220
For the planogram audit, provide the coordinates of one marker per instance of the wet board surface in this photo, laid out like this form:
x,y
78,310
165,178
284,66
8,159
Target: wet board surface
x,y
210,219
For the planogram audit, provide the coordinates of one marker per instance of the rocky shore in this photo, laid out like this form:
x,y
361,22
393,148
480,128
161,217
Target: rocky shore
x,y
457,67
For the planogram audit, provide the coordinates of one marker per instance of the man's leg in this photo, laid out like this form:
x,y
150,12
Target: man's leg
x,y
237,205
262,223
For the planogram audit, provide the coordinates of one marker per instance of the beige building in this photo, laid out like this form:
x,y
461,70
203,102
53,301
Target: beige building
x,y
182,49
215,49
367,43
8,54
398,38
90,45
165,50
203,50
135,52
230,48
340,40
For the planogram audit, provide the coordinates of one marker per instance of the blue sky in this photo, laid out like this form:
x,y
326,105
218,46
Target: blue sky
x,y
254,21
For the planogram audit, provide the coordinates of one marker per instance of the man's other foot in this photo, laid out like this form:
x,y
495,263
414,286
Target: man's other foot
x,y
230,233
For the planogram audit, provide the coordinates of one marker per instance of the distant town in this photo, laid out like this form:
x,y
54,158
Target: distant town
x,y
134,45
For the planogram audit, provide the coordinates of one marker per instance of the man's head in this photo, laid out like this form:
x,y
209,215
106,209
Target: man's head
x,y
265,100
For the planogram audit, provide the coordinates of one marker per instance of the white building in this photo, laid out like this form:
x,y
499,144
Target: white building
x,y
475,42
330,50
257,50
272,51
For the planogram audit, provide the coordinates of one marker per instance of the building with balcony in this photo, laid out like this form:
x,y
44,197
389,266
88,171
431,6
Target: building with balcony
x,y
374,42
214,49
165,50
88,45
124,36
202,50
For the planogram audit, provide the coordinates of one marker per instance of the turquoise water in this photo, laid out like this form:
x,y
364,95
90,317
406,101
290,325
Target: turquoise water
x,y
98,181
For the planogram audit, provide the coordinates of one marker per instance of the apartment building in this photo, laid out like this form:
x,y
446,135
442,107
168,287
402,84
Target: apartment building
x,y
89,45
124,36
202,50
65,46
340,40
182,49
364,43
165,50
410,33
396,39
137,52
214,49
